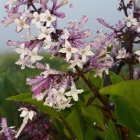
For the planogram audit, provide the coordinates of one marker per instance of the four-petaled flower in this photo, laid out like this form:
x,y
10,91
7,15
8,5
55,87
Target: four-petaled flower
x,y
22,51
68,49
76,62
47,17
85,52
21,24
37,19
74,92
130,20
27,115
46,34
122,54
34,56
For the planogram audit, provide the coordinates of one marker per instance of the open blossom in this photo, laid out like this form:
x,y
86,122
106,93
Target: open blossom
x,y
34,56
68,49
46,34
99,72
130,20
27,115
21,24
28,58
47,17
57,99
76,62
122,54
74,92
22,50
85,52
37,19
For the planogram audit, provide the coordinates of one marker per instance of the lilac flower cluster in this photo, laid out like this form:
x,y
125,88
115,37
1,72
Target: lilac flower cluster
x,y
130,26
57,88
7,133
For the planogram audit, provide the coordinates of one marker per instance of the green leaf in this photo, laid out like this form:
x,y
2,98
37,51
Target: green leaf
x,y
130,90
90,134
126,114
92,112
96,81
111,132
115,78
75,124
26,97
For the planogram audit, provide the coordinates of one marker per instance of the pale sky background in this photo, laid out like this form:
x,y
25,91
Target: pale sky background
x,y
106,9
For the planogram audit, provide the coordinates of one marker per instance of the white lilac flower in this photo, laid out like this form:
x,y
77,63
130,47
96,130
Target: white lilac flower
x,y
122,54
50,102
130,20
59,94
29,59
65,34
64,104
47,17
27,115
37,19
68,49
76,62
99,72
34,56
25,62
74,92
85,52
22,50
21,24
57,100
46,34
27,14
